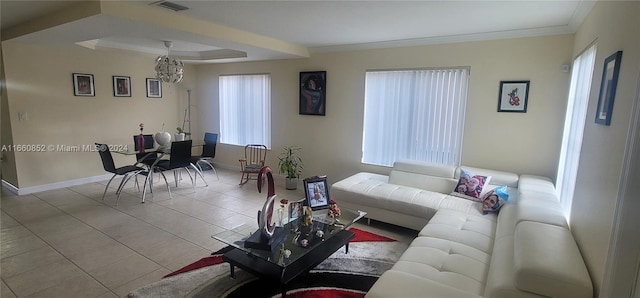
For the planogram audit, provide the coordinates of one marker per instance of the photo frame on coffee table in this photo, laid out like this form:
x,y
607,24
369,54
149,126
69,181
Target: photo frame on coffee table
x,y
316,192
295,209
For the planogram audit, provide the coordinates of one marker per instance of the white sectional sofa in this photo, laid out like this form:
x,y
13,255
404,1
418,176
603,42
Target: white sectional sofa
x,y
527,250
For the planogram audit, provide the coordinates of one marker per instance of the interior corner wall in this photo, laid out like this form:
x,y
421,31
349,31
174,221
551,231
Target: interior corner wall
x,y
615,26
8,165
332,144
39,84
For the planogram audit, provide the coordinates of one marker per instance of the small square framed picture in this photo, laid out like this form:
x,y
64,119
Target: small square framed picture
x,y
83,85
154,88
317,192
514,96
121,86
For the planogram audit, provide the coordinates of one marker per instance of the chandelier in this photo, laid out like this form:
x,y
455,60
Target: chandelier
x,y
169,69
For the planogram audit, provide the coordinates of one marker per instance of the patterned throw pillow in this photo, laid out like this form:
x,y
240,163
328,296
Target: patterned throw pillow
x,y
493,200
470,186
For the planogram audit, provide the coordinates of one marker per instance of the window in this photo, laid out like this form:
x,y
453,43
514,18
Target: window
x,y
574,127
414,114
245,109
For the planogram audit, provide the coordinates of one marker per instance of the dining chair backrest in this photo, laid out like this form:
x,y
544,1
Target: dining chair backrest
x,y
107,159
210,142
180,154
210,137
148,142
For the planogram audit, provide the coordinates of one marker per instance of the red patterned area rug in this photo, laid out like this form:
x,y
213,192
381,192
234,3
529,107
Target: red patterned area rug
x,y
341,275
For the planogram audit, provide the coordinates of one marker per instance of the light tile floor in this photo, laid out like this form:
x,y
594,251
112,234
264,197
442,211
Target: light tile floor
x,y
68,243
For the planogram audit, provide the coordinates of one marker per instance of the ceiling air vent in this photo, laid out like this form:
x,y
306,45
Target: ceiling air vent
x,y
170,5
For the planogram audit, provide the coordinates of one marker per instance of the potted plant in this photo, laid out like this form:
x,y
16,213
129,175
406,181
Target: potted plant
x,y
290,164
181,134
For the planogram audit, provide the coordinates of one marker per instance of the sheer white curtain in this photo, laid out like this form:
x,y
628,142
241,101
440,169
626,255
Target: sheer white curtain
x,y
245,109
574,127
414,114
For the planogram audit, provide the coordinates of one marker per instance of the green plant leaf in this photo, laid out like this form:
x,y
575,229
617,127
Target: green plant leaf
x,y
289,163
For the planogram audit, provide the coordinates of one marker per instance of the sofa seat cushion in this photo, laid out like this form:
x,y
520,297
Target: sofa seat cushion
x,y
401,284
470,228
447,262
367,189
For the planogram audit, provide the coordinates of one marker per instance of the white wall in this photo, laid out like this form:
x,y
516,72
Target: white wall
x,y
615,25
39,83
520,142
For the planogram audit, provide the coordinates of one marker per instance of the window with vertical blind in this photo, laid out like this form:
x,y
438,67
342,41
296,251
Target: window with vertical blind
x,y
414,114
578,101
245,109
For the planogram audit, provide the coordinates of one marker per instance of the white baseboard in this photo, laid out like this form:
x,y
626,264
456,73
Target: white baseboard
x,y
56,185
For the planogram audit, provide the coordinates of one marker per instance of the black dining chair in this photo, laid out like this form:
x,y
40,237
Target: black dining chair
x,y
180,158
126,171
146,158
208,152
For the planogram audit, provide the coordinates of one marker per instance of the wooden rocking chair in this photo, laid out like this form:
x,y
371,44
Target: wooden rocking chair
x,y
250,166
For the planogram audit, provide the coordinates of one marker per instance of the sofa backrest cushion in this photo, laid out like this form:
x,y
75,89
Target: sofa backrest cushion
x,y
542,212
498,178
423,175
536,184
547,261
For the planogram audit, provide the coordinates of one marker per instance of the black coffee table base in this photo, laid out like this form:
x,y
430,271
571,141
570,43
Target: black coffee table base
x,y
284,274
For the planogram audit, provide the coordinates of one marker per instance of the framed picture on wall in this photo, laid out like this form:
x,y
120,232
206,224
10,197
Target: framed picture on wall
x,y
513,97
83,85
121,86
154,88
313,93
608,88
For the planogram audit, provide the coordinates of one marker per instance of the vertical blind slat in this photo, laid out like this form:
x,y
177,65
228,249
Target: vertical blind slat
x,y
245,109
414,114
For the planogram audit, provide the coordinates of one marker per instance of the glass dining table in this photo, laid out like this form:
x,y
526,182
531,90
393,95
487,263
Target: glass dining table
x,y
160,152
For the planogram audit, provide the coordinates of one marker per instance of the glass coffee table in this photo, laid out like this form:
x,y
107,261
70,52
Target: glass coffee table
x,y
297,248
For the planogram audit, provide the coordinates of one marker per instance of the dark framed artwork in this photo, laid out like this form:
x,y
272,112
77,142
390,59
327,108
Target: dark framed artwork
x,y
316,192
313,90
608,88
121,86
154,88
83,85
514,96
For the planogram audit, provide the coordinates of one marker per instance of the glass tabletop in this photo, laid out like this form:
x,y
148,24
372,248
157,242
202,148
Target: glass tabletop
x,y
294,239
157,149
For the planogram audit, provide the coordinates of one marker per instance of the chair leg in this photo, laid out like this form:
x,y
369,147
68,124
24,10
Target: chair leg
x,y
192,178
199,172
167,183
244,179
144,188
210,165
126,179
105,189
